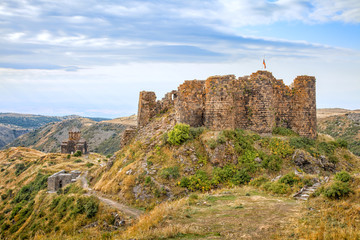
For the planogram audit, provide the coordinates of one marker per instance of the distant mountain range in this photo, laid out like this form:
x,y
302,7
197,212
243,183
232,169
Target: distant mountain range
x,y
13,125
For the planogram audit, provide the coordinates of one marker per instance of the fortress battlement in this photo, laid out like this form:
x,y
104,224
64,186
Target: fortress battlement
x,y
258,102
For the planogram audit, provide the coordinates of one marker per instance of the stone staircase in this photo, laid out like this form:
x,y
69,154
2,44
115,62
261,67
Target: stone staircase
x,y
306,191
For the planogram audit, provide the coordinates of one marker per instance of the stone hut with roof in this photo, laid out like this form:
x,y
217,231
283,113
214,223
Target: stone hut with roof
x,y
74,143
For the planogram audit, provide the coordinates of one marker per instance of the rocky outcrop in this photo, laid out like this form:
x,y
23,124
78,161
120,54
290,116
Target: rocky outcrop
x,y
310,164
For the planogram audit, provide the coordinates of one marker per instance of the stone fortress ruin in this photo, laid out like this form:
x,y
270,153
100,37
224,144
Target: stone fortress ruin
x,y
258,102
74,143
60,179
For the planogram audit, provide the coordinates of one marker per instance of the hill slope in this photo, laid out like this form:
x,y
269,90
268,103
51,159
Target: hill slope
x,y
102,137
344,126
194,183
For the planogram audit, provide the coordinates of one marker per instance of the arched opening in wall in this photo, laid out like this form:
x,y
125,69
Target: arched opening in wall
x,y
173,96
60,184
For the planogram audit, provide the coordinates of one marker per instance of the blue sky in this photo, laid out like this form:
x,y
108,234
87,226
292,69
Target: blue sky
x,y
93,57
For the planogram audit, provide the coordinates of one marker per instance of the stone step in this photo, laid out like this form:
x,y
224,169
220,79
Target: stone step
x,y
302,198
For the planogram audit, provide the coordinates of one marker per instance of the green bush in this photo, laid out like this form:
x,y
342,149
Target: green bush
x,y
20,168
5,226
212,143
179,134
196,132
89,165
343,176
272,162
277,147
337,190
289,179
302,142
91,207
277,187
68,156
224,174
283,131
221,138
257,182
29,191
342,143
199,181
241,177
78,153
170,173
77,161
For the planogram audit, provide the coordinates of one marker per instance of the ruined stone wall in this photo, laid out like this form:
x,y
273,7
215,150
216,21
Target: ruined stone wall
x,y
304,106
259,106
258,102
128,134
189,103
219,102
147,107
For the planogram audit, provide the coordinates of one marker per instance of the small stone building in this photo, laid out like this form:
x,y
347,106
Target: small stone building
x,y
74,143
60,179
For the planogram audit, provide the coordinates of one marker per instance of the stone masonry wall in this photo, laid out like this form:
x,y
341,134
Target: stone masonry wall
x,y
258,102
189,103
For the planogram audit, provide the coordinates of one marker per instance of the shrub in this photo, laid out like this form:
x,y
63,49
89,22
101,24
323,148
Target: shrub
x,y
147,180
212,143
29,191
199,181
289,179
302,142
257,182
241,177
196,132
78,153
91,206
342,143
343,176
277,187
109,156
89,165
277,147
77,160
224,174
170,172
221,138
283,131
5,227
20,168
337,190
68,156
272,162
179,134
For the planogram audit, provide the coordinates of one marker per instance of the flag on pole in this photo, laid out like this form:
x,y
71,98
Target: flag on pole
x,y
264,63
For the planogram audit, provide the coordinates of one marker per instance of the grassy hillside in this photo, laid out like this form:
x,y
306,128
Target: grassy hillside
x,y
27,211
193,183
346,126
102,137
28,121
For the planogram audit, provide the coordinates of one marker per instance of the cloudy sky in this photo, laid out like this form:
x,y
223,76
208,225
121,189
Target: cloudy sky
x,y
92,57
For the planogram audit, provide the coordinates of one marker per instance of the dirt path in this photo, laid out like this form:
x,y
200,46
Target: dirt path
x,y
119,206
